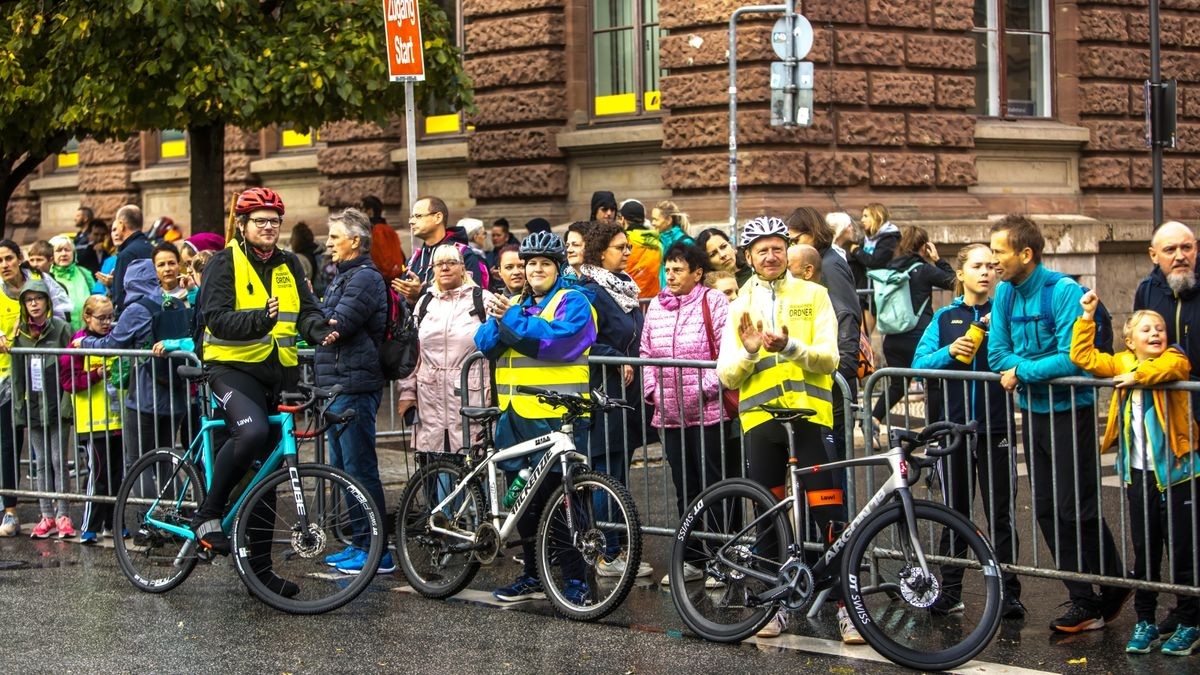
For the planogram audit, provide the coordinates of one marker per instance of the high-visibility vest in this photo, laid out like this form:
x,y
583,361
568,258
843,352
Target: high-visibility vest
x,y
514,368
10,314
252,295
98,408
778,382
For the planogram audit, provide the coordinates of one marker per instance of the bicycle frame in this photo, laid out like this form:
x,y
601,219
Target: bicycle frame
x,y
201,447
559,447
897,485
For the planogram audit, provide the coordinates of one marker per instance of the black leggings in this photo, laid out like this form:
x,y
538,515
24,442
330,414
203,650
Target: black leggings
x,y
244,404
898,350
766,464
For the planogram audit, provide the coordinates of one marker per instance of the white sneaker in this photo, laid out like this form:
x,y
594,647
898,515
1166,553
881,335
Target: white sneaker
x,y
846,627
775,626
616,567
10,526
690,573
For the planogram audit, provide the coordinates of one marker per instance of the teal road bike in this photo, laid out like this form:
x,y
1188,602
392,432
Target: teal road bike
x,y
287,518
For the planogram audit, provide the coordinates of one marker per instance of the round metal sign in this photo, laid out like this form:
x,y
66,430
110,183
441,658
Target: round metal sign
x,y
803,32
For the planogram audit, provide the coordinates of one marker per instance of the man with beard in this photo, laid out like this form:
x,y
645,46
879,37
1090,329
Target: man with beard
x,y
1171,290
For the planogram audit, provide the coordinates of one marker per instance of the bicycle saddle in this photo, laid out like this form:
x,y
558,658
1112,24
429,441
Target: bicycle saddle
x,y
789,414
474,413
190,372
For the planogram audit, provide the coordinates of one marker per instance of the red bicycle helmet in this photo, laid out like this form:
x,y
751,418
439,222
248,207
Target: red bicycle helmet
x,y
258,198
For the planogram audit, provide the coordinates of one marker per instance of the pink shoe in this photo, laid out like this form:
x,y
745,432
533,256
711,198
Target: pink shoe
x,y
44,529
66,529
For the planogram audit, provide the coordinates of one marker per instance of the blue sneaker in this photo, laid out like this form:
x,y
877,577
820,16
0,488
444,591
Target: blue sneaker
x,y
354,565
335,559
577,592
1185,641
524,588
1145,636
88,538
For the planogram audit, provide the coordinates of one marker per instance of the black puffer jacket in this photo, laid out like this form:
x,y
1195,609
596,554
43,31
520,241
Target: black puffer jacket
x,y
1182,312
357,300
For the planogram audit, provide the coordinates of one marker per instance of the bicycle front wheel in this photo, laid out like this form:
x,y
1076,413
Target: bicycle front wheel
x,y
724,533
589,546
286,527
438,565
163,487
891,601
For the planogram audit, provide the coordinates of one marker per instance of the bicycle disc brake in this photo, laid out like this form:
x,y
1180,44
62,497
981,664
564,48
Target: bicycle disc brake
x,y
918,588
308,544
799,578
487,543
591,545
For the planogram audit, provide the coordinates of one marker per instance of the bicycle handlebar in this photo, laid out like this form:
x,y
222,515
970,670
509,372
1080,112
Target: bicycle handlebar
x,y
574,402
937,430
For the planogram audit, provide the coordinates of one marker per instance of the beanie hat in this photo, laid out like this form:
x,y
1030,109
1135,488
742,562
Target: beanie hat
x,y
602,198
633,212
537,225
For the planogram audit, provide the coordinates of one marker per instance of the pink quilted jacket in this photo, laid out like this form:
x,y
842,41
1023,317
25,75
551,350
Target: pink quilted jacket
x,y
674,329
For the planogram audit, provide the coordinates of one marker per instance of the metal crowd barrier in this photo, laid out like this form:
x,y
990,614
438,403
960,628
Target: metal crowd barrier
x,y
39,413
1034,556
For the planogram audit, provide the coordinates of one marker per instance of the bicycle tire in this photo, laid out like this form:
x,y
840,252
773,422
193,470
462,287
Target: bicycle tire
x,y
299,557
902,629
620,533
156,475
425,556
709,605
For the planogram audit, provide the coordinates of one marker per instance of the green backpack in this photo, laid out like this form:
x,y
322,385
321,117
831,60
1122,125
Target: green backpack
x,y
893,301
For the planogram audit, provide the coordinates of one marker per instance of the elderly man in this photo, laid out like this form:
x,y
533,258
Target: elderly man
x,y
131,245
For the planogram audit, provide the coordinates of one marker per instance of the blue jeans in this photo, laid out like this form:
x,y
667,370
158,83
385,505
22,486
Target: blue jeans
x,y
354,452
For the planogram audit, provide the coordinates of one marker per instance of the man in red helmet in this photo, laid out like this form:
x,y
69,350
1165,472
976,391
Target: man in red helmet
x,y
255,299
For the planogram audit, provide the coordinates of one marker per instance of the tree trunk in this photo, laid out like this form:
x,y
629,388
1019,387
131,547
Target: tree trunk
x,y
206,164
13,170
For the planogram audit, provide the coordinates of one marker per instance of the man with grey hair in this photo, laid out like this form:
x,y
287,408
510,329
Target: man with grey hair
x,y
804,262
131,245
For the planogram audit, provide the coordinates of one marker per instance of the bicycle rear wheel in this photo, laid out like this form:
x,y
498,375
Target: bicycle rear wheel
x,y
604,520
889,600
272,548
725,525
437,565
163,486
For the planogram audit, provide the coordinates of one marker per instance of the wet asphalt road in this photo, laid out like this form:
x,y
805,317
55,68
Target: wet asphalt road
x,y
69,609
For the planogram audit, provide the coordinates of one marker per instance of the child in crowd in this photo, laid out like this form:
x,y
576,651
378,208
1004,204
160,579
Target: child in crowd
x,y
96,399
1154,432
724,282
35,402
989,463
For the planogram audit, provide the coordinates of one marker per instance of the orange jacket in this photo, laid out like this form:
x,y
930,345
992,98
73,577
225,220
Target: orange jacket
x,y
1172,366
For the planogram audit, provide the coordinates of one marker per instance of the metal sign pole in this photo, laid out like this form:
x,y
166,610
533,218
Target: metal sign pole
x,y
410,141
1156,135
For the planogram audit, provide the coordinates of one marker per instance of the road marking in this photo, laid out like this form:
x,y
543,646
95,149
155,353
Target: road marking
x,y
474,597
836,648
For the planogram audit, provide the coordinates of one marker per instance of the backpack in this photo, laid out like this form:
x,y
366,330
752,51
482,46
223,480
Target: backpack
x,y
866,356
400,347
387,252
1104,330
476,298
170,319
893,300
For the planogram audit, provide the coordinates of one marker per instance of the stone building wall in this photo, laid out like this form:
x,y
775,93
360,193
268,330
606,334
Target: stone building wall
x,y
1113,61
892,81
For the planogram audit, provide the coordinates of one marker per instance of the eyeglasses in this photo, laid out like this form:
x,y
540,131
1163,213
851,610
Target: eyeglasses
x,y
107,318
418,216
626,248
446,264
267,223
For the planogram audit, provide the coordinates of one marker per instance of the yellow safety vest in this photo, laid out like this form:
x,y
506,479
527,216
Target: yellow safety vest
x,y
10,314
776,381
514,368
96,408
252,295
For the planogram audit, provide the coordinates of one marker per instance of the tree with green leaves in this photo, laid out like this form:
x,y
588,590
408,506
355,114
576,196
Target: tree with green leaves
x,y
107,70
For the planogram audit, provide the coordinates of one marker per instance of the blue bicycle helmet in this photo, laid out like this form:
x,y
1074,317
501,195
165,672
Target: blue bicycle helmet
x,y
763,226
543,245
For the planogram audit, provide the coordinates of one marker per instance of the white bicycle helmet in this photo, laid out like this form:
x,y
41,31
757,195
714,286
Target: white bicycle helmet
x,y
763,226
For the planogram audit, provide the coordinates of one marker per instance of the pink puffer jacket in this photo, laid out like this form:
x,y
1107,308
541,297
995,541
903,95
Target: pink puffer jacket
x,y
674,329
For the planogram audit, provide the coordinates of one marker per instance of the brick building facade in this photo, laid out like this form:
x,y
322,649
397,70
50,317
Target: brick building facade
x,y
947,111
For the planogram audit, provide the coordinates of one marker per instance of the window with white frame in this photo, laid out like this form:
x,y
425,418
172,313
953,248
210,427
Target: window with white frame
x,y
625,63
1013,65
